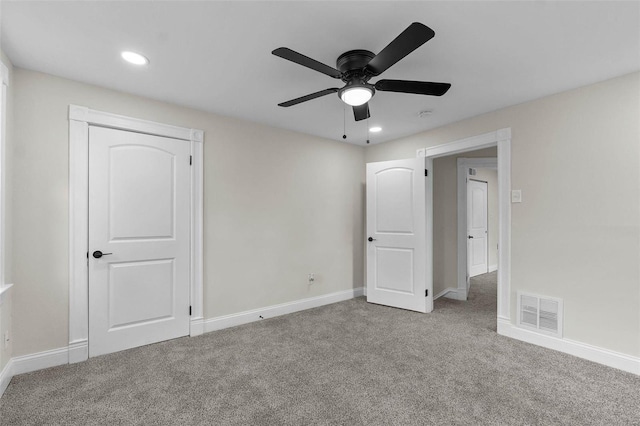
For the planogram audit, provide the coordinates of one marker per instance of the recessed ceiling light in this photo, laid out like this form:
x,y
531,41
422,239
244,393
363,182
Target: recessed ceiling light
x,y
134,58
375,129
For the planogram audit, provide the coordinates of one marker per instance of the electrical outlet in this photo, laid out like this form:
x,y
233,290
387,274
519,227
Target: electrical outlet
x,y
311,277
6,339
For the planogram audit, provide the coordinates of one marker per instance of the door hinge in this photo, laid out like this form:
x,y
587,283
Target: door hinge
x,y
190,160
426,293
426,172
189,310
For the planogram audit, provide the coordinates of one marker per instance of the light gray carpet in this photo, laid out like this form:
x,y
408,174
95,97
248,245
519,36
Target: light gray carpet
x,y
351,363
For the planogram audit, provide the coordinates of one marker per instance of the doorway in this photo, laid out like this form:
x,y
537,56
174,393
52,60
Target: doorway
x,y
141,223
502,140
401,184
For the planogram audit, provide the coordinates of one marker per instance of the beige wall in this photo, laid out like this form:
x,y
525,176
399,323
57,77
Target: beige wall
x,y
576,235
278,205
5,307
491,177
445,218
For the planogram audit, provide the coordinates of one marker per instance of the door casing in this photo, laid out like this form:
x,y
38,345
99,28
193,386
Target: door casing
x,y
80,118
502,139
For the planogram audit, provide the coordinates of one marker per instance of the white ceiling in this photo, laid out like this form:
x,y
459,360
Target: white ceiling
x,y
216,56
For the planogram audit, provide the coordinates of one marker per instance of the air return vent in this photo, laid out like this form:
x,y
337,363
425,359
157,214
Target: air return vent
x,y
542,314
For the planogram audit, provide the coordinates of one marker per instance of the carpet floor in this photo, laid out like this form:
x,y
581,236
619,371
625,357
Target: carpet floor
x,y
350,363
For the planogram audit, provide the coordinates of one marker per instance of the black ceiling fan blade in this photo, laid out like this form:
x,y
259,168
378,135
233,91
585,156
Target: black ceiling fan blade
x,y
301,99
305,61
409,40
417,87
361,112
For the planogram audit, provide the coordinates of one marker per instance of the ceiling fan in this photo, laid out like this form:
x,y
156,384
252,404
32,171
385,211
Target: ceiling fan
x,y
356,67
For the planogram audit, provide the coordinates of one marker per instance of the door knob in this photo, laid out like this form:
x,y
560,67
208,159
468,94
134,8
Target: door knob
x,y
371,239
470,237
98,254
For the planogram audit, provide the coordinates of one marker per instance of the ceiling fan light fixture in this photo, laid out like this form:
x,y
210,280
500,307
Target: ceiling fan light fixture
x,y
356,95
356,67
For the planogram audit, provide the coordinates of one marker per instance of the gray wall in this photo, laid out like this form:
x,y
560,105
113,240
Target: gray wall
x,y
277,206
576,235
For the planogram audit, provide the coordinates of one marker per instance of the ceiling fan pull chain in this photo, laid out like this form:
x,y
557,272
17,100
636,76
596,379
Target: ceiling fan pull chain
x,y
344,121
368,129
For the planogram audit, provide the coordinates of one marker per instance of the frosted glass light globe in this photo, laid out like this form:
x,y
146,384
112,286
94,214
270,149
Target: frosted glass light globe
x,y
356,96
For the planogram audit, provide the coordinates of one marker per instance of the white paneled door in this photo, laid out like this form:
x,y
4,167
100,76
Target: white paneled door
x,y
139,239
396,235
476,227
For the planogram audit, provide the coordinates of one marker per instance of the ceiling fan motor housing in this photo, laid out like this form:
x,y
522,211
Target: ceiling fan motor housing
x,y
352,64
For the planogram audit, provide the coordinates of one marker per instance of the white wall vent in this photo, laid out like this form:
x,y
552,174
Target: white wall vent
x,y
539,313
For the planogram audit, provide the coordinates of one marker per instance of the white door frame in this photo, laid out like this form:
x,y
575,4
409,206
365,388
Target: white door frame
x,y
4,84
80,118
463,165
502,139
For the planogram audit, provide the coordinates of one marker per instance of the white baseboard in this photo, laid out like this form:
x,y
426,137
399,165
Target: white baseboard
x,y
493,268
445,291
5,376
451,293
4,290
458,294
246,317
78,351
38,361
196,327
603,356
28,363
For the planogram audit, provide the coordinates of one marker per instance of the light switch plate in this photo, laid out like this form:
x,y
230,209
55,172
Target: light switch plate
x,y
516,196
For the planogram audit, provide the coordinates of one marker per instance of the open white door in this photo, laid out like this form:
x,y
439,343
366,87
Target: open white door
x,y
397,235
476,228
139,241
